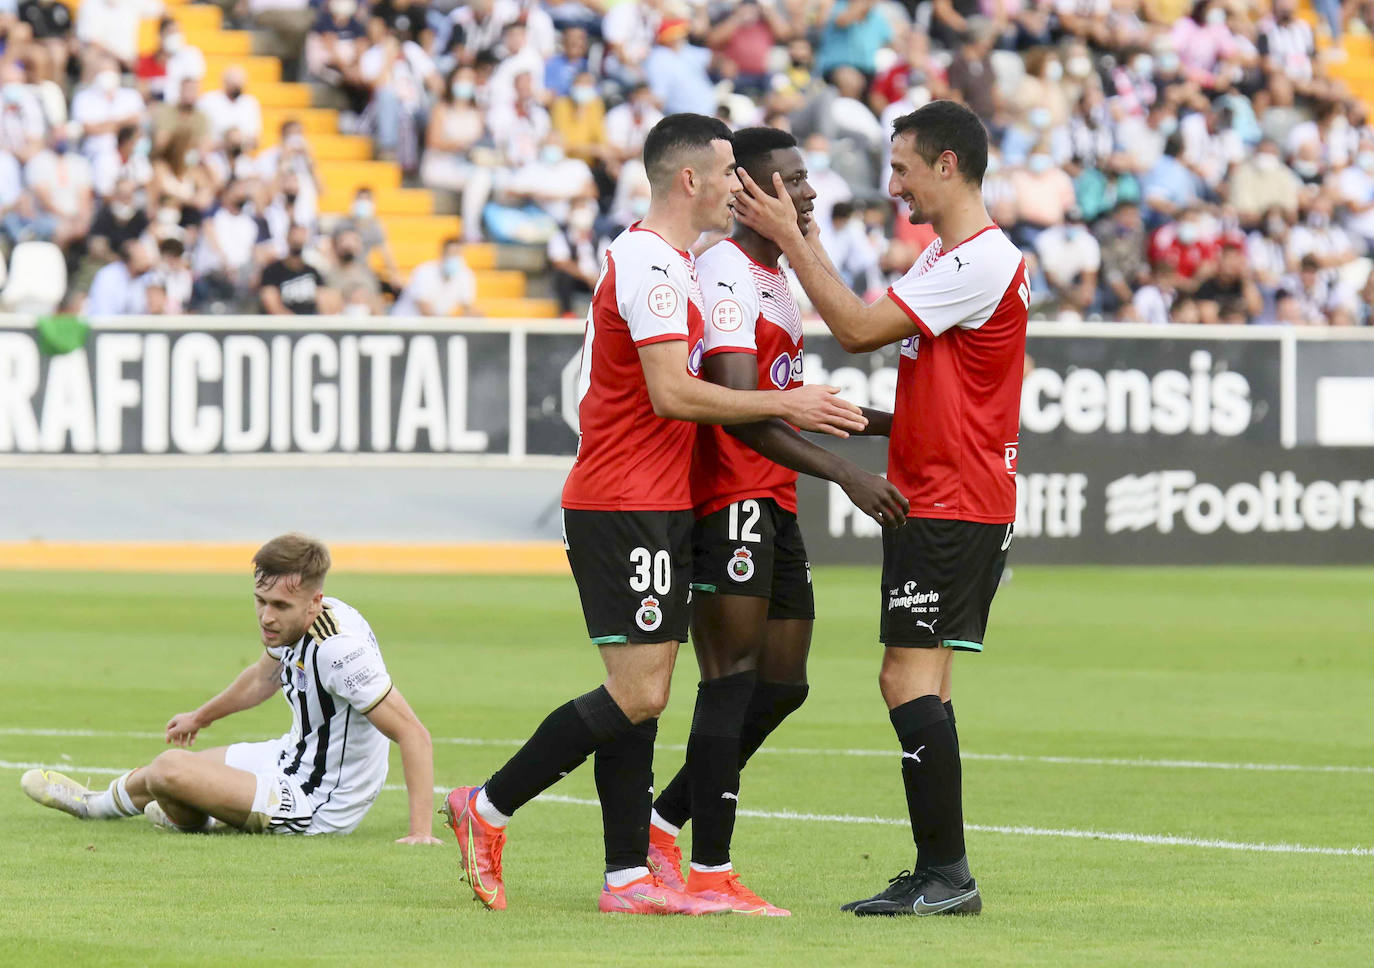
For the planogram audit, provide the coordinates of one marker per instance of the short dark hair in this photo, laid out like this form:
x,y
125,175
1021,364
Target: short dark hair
x,y
752,144
674,136
942,126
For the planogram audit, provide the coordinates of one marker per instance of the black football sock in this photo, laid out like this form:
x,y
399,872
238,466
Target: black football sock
x,y
624,771
931,774
771,703
713,761
565,738
954,728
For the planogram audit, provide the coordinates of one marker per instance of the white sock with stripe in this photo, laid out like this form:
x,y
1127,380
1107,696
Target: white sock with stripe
x,y
630,874
712,869
484,808
112,803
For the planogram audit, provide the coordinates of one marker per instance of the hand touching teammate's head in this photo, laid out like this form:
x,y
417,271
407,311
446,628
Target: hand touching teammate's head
x,y
939,155
762,151
288,586
690,160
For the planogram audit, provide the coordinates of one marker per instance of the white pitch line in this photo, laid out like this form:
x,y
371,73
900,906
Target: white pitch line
x,y
1158,840
1165,764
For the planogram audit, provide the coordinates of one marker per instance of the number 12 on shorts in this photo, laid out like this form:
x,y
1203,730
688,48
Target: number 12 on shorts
x,y
750,511
651,566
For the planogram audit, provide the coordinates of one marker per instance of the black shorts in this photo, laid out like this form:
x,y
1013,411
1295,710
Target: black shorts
x,y
754,547
633,571
939,577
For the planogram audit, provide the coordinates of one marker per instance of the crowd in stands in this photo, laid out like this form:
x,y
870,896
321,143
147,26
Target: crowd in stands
x,y
1157,160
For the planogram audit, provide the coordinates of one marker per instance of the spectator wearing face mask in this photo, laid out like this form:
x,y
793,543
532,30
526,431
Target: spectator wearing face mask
x,y
1071,259
1170,186
291,286
455,128
117,289
627,124
1262,182
579,120
292,157
552,181
182,115
573,257
743,39
1044,195
1355,189
444,287
1042,86
161,71
362,218
519,58
404,82
333,49
1185,250
60,183
350,273
233,109
118,220
831,188
101,108
1121,239
231,249
571,60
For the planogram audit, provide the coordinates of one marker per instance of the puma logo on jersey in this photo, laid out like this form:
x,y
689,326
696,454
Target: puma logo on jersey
x,y
958,263
765,294
727,285
662,269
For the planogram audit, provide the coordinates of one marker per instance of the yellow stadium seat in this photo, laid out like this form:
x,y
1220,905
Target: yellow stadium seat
x,y
349,176
280,95
313,121
338,198
481,255
500,284
517,308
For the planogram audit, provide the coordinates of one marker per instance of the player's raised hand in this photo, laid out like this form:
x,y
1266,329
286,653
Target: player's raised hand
x,y
816,407
182,729
420,839
877,497
772,216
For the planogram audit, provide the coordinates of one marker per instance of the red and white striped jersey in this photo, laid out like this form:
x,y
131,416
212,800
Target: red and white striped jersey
x,y
956,424
629,458
749,309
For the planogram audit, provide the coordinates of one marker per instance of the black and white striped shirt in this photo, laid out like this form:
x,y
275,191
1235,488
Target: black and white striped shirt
x,y
331,678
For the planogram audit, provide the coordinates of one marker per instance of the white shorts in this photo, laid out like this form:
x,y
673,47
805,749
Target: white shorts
x,y
280,806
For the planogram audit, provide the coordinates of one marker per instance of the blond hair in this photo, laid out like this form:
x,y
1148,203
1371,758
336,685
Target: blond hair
x,y
292,554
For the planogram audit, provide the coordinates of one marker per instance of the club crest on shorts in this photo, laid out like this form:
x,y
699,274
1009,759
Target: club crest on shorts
x,y
649,616
741,567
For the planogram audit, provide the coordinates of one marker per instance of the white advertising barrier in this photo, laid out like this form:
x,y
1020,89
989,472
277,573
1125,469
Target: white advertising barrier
x,y
1138,443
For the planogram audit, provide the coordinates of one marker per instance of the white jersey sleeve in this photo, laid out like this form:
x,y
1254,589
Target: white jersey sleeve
x,y
731,300
962,287
352,669
652,286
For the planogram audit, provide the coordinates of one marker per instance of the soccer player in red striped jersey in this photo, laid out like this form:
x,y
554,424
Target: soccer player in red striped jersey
x,y
960,316
627,519
753,610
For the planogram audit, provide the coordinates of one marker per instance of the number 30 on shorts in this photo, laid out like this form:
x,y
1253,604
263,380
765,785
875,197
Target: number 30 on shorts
x,y
651,566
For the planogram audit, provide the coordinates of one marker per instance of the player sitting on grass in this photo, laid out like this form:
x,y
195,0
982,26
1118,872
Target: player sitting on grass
x,y
752,619
323,775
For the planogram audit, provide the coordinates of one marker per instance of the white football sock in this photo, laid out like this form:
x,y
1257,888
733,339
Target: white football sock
x,y
113,802
487,812
621,878
664,825
716,869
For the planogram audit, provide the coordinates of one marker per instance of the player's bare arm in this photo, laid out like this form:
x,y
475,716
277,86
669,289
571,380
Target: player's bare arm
x,y
395,720
777,441
856,325
676,396
252,687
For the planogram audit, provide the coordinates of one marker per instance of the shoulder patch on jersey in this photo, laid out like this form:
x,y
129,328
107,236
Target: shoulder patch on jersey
x,y
663,300
727,316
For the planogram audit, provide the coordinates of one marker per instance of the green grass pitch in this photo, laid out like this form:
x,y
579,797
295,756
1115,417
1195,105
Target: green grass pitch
x,y
1085,669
